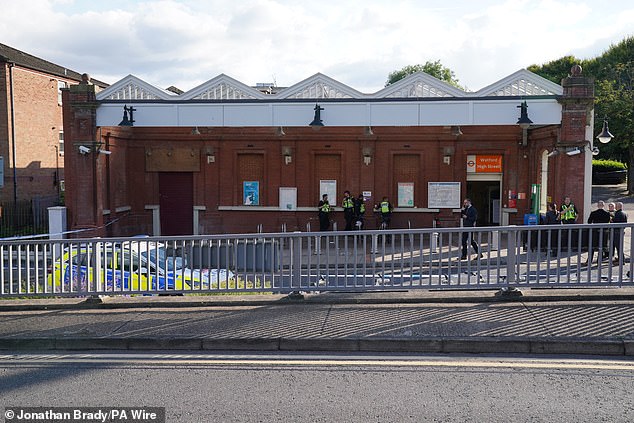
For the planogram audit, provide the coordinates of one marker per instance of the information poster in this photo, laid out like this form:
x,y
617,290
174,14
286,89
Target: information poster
x,y
251,193
288,198
405,194
328,186
443,195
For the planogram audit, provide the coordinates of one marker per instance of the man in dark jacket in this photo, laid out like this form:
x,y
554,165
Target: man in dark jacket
x,y
619,217
599,237
469,217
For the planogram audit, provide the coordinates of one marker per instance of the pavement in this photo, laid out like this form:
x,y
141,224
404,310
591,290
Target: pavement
x,y
541,321
547,321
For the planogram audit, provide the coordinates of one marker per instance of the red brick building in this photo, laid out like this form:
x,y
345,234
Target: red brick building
x,y
225,157
31,125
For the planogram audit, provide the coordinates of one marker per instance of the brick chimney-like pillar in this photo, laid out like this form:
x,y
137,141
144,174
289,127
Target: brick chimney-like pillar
x,y
83,173
575,171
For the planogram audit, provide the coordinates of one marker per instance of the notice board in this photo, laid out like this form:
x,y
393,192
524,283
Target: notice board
x,y
443,195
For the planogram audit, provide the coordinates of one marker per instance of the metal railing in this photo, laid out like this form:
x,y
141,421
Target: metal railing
x,y
508,257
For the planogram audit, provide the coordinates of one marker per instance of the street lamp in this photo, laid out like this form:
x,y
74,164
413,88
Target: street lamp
x,y
605,136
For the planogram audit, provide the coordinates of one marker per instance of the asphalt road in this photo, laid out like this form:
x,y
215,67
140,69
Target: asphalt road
x,y
328,388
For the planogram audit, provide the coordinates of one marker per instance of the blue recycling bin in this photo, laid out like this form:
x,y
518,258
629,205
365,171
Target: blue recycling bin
x,y
530,219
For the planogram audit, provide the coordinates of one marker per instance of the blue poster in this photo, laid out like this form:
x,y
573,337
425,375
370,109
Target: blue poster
x,y
251,193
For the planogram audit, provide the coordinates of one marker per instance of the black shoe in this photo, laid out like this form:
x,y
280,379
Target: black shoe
x,y
463,258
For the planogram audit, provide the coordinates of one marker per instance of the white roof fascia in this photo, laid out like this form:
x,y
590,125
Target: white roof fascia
x,y
444,89
318,81
220,80
510,86
133,88
372,112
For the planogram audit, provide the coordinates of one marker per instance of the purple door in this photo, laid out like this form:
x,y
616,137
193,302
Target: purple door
x,y
176,203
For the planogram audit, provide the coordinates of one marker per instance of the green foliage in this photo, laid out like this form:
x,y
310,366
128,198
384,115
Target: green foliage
x,y
556,70
435,69
603,165
614,93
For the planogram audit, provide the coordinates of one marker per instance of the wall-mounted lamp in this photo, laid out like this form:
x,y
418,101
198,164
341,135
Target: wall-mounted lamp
x,y
447,152
456,131
367,131
280,131
317,122
524,122
127,121
287,152
605,136
195,131
595,151
366,152
211,155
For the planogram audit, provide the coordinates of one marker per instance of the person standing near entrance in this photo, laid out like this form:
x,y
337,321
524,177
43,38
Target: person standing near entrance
x,y
599,237
568,213
324,213
619,217
384,208
348,210
469,217
359,211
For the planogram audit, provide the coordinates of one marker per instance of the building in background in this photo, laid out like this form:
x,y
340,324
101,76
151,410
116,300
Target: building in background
x,y
31,128
226,157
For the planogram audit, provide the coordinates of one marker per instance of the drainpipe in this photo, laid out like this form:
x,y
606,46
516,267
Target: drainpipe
x,y
15,179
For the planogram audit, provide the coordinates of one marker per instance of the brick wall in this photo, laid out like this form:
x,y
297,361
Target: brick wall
x,y
38,120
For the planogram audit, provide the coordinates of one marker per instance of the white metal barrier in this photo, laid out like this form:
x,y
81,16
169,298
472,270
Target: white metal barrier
x,y
507,257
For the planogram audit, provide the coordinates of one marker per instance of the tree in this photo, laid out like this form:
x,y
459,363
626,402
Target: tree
x,y
556,70
614,97
435,69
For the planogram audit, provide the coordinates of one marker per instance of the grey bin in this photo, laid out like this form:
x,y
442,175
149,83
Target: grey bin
x,y
254,255
212,256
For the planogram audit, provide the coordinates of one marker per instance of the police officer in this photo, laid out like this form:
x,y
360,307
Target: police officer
x,y
568,213
385,208
359,211
324,213
348,210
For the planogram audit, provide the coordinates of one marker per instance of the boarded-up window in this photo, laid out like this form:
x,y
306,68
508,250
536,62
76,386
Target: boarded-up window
x,y
327,167
406,169
251,168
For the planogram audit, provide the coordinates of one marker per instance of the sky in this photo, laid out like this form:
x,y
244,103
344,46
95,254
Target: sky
x,y
357,42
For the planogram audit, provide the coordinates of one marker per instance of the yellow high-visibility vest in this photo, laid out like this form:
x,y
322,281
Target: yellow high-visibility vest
x,y
568,212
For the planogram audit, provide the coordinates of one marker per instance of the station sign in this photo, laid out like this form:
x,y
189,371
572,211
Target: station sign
x,y
482,163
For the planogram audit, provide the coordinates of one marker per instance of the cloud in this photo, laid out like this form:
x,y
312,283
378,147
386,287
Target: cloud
x,y
358,42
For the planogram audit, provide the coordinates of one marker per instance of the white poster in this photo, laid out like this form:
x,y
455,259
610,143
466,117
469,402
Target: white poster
x,y
288,198
405,194
328,186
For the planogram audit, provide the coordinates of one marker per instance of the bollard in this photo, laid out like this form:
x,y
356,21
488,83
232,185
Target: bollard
x,y
495,240
434,242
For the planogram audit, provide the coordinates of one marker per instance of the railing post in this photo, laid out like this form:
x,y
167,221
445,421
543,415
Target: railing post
x,y
296,267
511,257
511,264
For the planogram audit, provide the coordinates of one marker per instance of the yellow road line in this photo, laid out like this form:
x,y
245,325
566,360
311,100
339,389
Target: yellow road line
x,y
329,362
